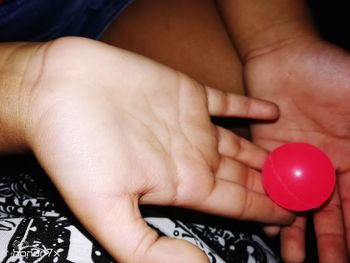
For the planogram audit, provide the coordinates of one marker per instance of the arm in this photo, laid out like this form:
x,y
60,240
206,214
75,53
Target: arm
x,y
15,58
286,62
257,27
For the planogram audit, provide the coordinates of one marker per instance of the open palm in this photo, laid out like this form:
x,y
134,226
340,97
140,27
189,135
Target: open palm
x,y
114,130
310,82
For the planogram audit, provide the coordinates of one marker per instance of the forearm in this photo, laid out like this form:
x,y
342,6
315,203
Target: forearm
x,y
259,26
15,59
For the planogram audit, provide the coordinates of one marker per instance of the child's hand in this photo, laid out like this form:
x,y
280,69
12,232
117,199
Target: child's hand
x,y
312,90
114,130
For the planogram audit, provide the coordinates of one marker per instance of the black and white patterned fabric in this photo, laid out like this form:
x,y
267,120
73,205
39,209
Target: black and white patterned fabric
x,y
35,226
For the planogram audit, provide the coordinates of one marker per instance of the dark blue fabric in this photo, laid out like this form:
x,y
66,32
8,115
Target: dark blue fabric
x,y
43,20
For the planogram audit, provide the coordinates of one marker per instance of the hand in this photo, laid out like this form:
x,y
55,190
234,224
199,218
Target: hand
x,y
114,130
309,80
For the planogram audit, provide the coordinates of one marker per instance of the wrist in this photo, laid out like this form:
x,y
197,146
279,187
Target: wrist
x,y
18,66
279,36
259,27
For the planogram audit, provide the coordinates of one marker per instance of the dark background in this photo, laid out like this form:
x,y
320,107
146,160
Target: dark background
x,y
333,20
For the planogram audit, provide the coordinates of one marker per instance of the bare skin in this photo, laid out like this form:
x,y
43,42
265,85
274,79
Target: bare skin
x,y
284,61
287,62
297,122
96,117
188,35
312,93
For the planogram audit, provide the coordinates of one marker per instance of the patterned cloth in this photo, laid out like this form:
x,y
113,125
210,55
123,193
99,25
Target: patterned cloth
x,y
36,226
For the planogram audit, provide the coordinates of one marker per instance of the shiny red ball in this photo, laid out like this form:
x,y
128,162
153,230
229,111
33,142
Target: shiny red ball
x,y
298,176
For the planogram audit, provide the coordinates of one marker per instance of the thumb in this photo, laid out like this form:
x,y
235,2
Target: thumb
x,y
122,231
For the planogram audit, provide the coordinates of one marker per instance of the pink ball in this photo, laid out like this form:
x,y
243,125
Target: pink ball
x,y
298,176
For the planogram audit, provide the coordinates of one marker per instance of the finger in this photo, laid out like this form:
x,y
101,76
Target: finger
x,y
240,149
293,241
239,173
272,230
236,201
329,230
122,231
222,103
344,186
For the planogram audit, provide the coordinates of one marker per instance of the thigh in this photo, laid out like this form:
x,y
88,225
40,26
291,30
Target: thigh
x,y
187,35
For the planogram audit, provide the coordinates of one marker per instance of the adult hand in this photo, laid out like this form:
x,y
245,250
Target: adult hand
x,y
309,80
114,130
